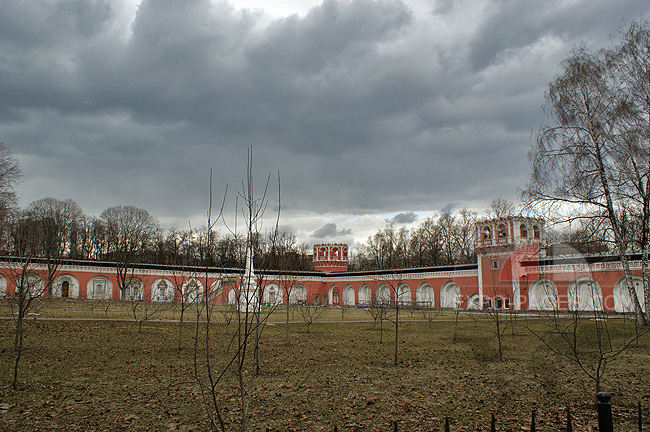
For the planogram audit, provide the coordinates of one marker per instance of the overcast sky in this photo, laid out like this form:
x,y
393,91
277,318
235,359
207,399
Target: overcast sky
x,y
371,110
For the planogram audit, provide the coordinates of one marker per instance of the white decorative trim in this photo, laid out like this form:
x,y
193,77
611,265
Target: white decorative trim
x,y
580,267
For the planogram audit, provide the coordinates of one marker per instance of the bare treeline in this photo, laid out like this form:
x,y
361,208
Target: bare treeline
x,y
447,239
59,229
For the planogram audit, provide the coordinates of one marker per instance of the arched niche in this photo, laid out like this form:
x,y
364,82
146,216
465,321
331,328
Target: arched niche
x,y
99,288
542,295
298,294
365,295
622,299
450,295
192,290
65,286
133,289
348,296
425,296
584,294
272,294
162,290
404,295
382,294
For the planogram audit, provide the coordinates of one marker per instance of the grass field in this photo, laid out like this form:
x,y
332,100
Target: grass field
x,y
103,375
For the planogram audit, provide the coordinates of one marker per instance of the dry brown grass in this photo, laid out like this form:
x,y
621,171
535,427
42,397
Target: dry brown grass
x,y
102,375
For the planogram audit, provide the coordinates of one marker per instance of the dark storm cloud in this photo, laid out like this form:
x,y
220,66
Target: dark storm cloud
x,y
364,106
329,230
513,25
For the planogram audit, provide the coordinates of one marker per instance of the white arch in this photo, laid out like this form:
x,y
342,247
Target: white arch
x,y
425,296
99,288
382,294
3,286
450,295
622,300
216,289
133,289
162,290
365,295
474,302
334,298
584,294
298,294
233,295
348,296
542,295
58,286
34,283
272,294
192,290
404,295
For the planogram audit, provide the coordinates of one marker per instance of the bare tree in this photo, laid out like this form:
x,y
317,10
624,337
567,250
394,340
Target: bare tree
x,y
426,243
592,161
287,281
28,285
464,236
10,175
429,312
311,312
183,275
447,239
225,364
501,320
129,230
379,309
397,294
56,220
142,309
584,334
501,207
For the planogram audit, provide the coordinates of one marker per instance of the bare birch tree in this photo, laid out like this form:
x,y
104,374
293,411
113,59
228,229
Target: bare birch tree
x,y
593,160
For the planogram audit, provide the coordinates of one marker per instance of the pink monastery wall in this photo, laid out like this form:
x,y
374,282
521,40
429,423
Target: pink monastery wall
x,y
509,274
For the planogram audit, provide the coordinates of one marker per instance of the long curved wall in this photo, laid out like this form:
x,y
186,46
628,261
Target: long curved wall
x,y
542,285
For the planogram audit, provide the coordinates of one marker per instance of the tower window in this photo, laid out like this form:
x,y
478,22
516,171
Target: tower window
x,y
487,233
495,264
523,232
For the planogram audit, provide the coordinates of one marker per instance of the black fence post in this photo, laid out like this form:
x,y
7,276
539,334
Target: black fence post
x,y
605,423
446,424
569,426
395,426
336,429
640,419
493,424
532,421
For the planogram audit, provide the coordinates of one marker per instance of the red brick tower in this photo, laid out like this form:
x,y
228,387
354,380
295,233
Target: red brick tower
x,y
501,244
331,257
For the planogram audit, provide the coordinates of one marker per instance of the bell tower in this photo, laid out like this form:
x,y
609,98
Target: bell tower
x,y
330,257
501,244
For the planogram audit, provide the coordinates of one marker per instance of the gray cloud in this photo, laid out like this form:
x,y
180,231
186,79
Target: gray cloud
x,y
330,230
364,106
403,218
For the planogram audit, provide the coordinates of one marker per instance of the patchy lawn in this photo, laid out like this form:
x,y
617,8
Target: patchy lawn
x,y
104,376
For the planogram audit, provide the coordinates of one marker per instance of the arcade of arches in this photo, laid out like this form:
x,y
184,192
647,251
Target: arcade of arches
x,y
509,274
